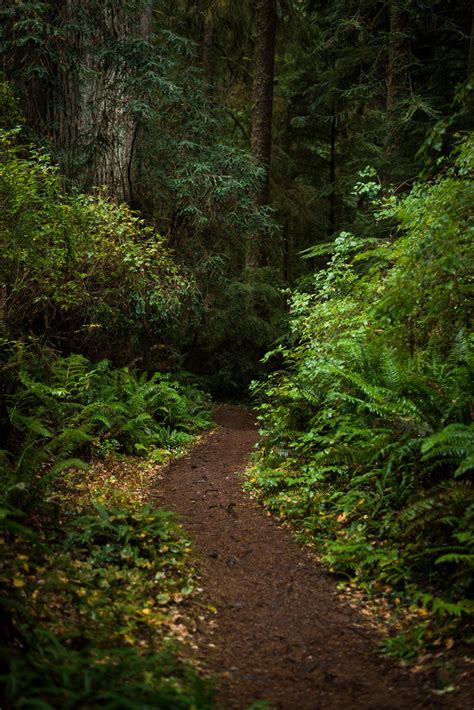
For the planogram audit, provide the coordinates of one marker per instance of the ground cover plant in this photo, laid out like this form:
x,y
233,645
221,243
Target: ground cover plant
x,y
367,428
94,594
57,409
92,578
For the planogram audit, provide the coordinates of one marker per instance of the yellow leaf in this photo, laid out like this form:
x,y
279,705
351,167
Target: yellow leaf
x,y
449,643
17,582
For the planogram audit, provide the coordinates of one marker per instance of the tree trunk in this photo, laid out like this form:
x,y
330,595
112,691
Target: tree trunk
x,y
84,107
262,109
470,59
94,127
209,61
332,179
395,80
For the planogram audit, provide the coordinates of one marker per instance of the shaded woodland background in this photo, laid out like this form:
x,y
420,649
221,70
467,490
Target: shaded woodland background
x,y
171,110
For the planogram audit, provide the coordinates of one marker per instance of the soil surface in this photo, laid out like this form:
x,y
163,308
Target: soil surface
x,y
282,632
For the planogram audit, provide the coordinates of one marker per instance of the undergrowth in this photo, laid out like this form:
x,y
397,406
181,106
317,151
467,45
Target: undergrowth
x,y
92,578
93,582
367,435
94,596
61,410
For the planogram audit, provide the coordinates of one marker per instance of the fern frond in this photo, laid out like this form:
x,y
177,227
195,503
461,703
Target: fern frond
x,y
465,466
448,498
453,444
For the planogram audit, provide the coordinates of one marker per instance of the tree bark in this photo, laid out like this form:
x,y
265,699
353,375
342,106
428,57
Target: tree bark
x,y
262,109
83,108
395,79
332,179
470,59
93,126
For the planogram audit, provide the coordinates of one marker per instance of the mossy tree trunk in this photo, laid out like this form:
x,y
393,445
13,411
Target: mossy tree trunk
x,y
262,110
94,124
396,79
82,90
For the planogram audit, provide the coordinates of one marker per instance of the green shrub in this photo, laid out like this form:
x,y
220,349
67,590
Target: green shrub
x,y
367,434
89,615
80,268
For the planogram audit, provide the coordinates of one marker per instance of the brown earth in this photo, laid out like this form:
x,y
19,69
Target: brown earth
x,y
282,632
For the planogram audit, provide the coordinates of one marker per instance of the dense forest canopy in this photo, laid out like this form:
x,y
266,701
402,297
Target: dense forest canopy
x,y
202,193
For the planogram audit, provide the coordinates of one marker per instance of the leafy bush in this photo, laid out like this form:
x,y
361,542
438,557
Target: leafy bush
x,y
78,267
367,434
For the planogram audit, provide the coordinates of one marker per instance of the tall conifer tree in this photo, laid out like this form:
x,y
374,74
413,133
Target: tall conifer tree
x,y
262,107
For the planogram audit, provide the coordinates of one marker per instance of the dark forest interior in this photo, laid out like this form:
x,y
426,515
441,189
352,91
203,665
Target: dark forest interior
x,y
266,202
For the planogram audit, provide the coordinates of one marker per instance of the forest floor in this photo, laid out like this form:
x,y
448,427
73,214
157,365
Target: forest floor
x,y
281,631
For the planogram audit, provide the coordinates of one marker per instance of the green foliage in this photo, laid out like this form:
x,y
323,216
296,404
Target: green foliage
x,y
203,200
453,444
331,114
90,616
90,578
10,114
51,675
208,185
59,408
238,319
367,434
80,267
428,288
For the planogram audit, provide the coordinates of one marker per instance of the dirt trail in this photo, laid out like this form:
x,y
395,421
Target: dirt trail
x,y
283,633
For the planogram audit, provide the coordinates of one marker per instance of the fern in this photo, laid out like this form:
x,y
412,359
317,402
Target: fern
x,y
454,444
450,498
63,407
